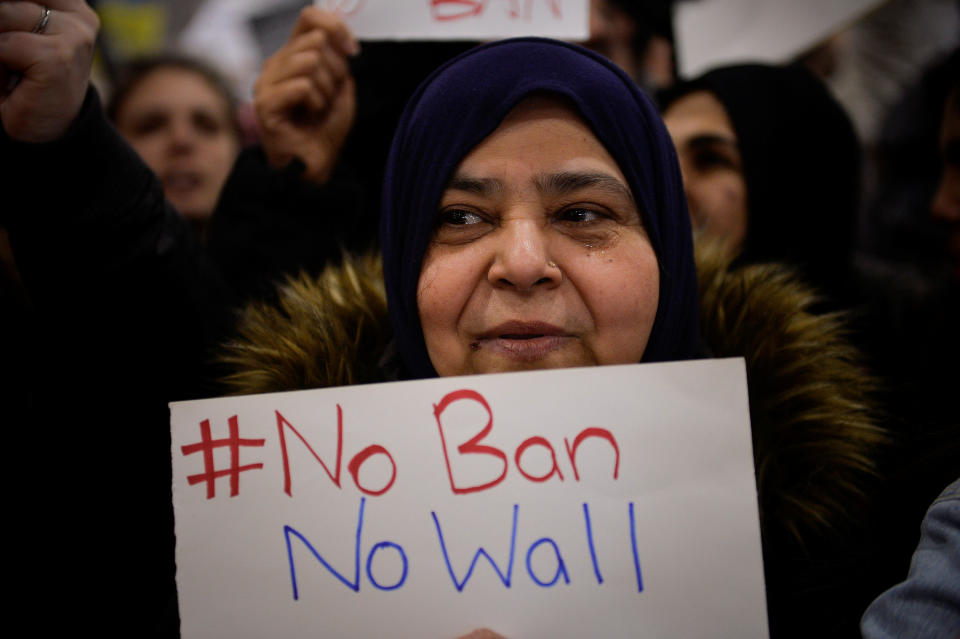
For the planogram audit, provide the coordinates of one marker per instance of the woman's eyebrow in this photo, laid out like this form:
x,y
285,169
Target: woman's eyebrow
x,y
477,186
568,181
711,139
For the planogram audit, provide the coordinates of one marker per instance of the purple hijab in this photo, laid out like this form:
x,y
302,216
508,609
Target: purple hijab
x,y
464,101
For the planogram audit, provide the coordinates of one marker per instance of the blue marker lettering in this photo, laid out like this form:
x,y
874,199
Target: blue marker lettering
x,y
403,556
593,551
355,584
446,557
561,567
633,543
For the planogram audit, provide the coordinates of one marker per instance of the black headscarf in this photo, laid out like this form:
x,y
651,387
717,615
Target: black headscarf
x,y
801,163
462,103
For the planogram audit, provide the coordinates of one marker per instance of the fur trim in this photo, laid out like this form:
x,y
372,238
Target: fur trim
x,y
814,434
331,330
814,425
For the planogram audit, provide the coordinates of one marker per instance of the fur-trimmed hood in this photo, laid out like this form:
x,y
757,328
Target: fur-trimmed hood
x,y
814,430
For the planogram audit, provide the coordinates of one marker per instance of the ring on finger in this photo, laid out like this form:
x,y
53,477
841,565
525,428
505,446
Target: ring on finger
x,y
41,24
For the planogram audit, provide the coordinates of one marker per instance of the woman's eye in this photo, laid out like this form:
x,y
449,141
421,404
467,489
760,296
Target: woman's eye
x,y
710,159
459,217
206,123
579,215
149,124
459,226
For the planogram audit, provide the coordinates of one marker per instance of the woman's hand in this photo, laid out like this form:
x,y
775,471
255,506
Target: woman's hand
x,y
305,97
44,73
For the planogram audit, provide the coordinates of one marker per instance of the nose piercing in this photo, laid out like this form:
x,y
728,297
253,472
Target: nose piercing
x,y
551,264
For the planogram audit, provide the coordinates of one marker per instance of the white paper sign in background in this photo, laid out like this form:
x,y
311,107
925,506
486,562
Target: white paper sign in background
x,y
611,501
712,33
463,19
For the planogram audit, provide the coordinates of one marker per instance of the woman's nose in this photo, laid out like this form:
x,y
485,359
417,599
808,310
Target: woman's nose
x,y
522,261
182,136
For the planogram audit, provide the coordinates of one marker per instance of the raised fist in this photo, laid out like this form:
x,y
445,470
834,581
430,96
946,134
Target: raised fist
x,y
45,56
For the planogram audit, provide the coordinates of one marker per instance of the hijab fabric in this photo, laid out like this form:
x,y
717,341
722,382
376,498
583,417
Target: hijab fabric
x,y
462,103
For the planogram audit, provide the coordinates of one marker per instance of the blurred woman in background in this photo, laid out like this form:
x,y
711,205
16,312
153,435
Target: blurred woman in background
x,y
771,166
181,118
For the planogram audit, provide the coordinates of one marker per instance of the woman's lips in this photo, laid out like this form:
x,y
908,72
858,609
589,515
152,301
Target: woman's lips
x,y
182,181
523,341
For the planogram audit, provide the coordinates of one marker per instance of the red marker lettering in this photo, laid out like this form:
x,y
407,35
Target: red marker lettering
x,y
446,10
473,446
335,476
537,441
591,432
362,456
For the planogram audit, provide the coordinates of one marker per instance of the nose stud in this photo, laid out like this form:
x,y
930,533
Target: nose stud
x,y
556,276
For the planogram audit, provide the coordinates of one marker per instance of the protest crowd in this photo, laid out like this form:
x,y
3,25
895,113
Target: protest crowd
x,y
381,211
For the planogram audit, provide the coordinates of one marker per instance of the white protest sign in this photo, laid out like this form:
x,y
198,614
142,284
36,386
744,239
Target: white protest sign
x,y
463,19
711,33
611,501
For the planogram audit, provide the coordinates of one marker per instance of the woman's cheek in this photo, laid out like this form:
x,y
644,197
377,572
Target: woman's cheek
x,y
442,292
623,294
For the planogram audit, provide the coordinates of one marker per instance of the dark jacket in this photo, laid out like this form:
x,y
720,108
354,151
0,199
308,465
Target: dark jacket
x,y
124,302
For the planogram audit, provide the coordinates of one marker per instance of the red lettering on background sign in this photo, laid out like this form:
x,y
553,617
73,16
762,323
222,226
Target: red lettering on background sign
x,y
344,7
447,10
451,10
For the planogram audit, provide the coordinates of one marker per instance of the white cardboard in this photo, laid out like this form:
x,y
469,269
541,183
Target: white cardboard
x,y
463,19
686,467
712,33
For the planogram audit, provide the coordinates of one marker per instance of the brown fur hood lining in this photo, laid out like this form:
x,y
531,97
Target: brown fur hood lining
x,y
813,427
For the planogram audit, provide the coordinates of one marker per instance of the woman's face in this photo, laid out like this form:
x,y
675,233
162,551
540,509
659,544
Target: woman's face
x,y
539,258
181,127
711,166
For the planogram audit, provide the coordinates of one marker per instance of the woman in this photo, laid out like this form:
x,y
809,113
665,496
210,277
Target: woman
x,y
614,208
181,117
771,164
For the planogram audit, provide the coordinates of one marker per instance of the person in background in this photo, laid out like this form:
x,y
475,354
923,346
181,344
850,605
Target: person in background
x,y
926,605
771,167
637,36
181,117
325,112
946,199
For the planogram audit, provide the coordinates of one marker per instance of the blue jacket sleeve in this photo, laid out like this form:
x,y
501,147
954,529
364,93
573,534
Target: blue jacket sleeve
x,y
927,604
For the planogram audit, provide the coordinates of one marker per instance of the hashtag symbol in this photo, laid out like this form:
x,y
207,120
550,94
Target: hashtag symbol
x,y
206,444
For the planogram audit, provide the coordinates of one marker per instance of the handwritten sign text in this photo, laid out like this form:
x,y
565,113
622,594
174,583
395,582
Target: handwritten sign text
x,y
537,504
463,19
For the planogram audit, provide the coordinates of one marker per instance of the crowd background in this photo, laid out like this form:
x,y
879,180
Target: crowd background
x,y
891,70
